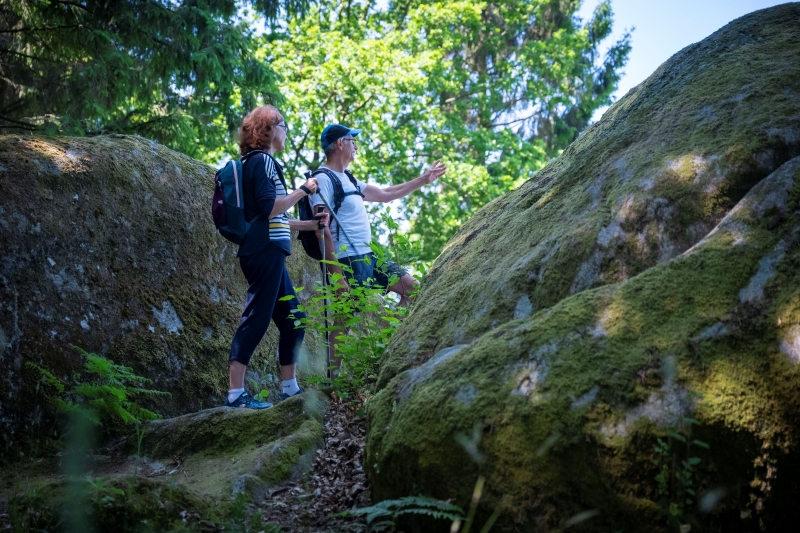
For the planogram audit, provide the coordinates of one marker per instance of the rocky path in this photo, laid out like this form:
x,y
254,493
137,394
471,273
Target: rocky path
x,y
336,482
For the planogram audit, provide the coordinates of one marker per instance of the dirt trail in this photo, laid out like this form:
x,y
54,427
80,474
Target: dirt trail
x,y
336,482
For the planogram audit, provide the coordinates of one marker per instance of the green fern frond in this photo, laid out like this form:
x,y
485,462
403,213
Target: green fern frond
x,y
47,377
433,512
106,394
411,505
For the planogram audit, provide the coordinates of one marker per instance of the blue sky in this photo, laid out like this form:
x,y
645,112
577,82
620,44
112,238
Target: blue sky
x,y
665,27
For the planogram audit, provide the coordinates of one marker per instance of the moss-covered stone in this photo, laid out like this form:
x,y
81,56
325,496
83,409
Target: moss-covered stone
x,y
108,244
224,451
224,430
552,321
118,504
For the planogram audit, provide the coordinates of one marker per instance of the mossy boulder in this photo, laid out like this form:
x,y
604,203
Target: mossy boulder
x,y
108,244
121,505
646,279
223,451
202,471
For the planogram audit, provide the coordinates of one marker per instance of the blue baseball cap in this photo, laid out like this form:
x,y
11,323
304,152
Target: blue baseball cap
x,y
334,132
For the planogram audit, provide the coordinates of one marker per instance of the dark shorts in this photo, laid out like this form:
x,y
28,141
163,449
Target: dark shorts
x,y
366,271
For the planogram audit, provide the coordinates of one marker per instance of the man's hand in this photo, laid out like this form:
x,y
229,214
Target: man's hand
x,y
320,221
436,171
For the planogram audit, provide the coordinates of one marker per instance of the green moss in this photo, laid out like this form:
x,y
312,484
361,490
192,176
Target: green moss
x,y
221,431
102,231
612,246
118,504
284,456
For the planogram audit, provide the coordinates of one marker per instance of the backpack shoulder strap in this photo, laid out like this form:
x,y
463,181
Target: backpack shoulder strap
x,y
279,170
338,190
354,181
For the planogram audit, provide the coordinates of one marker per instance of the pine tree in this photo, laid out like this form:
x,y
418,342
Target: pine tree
x,y
177,71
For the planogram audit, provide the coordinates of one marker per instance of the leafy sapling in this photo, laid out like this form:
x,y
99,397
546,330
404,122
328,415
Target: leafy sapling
x,y
676,465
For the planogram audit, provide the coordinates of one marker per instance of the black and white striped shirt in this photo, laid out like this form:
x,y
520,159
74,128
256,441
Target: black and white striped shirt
x,y
263,182
278,225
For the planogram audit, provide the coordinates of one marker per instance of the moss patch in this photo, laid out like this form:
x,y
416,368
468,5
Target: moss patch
x,y
651,262
108,245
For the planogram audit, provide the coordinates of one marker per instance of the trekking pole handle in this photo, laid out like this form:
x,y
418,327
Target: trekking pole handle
x,y
318,215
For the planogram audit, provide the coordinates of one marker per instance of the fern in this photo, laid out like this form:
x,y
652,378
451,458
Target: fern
x,y
104,393
390,510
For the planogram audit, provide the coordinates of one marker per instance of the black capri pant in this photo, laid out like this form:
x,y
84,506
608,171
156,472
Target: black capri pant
x,y
268,282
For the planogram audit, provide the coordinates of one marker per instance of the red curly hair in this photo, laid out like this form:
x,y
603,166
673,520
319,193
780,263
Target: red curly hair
x,y
258,129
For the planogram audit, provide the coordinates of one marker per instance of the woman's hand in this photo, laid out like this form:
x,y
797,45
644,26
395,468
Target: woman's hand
x,y
311,185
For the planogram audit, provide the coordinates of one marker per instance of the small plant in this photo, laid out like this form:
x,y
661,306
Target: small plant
x,y
262,393
243,521
676,467
362,321
383,515
102,494
105,392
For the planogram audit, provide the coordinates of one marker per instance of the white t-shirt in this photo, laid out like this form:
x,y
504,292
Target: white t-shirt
x,y
352,214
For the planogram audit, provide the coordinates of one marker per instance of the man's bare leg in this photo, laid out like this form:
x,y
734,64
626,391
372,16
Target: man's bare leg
x,y
405,287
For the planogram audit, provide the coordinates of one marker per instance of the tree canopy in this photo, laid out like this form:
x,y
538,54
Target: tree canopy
x,y
178,71
494,88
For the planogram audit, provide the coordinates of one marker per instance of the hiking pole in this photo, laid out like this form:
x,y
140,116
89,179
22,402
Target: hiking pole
x,y
318,216
338,228
338,223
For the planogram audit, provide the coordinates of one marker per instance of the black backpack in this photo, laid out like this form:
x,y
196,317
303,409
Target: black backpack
x,y
227,206
305,210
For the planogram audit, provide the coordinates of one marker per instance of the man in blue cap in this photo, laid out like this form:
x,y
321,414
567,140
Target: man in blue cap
x,y
349,243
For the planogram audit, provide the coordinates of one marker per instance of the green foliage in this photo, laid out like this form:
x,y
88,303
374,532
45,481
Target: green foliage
x,y
362,320
180,72
493,89
105,392
102,494
676,466
383,515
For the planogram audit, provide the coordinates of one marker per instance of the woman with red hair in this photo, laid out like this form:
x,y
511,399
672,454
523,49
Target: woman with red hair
x,y
263,253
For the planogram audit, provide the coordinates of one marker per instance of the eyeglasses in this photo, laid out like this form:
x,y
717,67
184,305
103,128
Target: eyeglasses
x,y
284,126
351,139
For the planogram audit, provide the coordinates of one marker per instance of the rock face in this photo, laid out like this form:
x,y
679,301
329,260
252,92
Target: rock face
x,y
648,275
107,244
237,450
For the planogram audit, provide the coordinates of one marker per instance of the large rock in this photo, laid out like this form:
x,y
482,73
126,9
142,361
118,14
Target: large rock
x,y
194,472
223,451
108,244
575,319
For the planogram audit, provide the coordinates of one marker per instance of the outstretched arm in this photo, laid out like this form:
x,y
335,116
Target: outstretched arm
x,y
387,194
